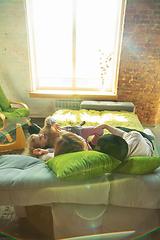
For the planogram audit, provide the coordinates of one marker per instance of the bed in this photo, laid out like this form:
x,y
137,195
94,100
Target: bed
x,y
118,199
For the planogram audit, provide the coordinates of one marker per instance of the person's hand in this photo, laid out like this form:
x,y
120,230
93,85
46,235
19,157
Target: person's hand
x,y
103,126
57,127
97,136
40,151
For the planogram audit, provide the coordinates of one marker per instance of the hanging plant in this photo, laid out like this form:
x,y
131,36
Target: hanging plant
x,y
104,64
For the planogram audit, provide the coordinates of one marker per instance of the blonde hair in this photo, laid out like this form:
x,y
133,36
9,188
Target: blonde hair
x,y
69,142
52,137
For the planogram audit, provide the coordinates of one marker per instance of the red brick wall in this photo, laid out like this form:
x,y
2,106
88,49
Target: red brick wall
x,y
139,77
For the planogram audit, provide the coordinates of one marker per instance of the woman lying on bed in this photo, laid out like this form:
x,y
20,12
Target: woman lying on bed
x,y
119,144
44,141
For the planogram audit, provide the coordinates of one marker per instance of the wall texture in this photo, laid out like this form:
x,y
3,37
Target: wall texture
x,y
139,77
14,63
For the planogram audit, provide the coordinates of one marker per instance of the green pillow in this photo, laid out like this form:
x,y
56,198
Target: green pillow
x,y
4,103
82,165
138,165
156,153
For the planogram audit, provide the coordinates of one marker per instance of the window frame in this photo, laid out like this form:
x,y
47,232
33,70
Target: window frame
x,y
51,92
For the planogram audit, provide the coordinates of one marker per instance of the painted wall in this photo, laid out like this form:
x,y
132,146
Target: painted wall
x,y
14,64
139,78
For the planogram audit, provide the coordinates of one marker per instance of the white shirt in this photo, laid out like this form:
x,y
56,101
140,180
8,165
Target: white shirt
x,y
137,144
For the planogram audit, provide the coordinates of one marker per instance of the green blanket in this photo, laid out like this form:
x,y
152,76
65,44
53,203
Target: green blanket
x,y
69,117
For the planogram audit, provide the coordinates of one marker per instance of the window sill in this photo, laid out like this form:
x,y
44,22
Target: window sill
x,y
88,95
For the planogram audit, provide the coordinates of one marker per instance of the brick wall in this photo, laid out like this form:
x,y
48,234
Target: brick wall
x,y
139,77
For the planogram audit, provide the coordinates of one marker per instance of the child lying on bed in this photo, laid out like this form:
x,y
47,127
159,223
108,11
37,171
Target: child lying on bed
x,y
119,144
139,143
44,142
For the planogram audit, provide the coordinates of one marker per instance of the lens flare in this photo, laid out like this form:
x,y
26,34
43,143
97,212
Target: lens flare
x,y
88,186
6,236
104,236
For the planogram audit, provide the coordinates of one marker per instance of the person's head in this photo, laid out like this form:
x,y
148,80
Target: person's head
x,y
37,141
113,145
45,139
69,142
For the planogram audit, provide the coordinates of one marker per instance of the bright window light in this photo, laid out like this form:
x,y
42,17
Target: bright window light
x,y
70,41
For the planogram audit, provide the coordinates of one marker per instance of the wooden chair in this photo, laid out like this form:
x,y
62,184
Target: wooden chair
x,y
8,111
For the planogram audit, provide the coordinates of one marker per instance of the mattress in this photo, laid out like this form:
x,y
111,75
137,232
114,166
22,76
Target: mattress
x,y
29,181
139,191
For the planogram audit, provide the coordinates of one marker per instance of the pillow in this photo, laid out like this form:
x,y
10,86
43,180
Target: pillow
x,y
138,165
82,165
4,103
16,113
156,153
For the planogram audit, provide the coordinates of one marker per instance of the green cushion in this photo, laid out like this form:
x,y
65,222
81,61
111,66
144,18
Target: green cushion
x,y
82,165
4,103
138,165
16,113
156,153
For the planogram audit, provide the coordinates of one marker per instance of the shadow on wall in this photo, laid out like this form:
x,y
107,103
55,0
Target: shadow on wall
x,y
8,87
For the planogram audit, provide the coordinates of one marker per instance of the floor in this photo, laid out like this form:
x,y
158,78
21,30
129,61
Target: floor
x,y
38,225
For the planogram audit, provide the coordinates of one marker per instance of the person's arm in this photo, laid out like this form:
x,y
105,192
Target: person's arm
x,y
46,157
103,126
113,130
51,121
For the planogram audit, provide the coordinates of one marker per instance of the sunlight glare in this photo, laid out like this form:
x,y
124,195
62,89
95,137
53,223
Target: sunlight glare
x,y
110,117
89,118
66,117
66,41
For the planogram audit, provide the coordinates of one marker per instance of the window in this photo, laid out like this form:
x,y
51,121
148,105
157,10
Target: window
x,y
75,46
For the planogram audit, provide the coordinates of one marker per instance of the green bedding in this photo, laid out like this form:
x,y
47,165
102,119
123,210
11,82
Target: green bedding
x,y
69,117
